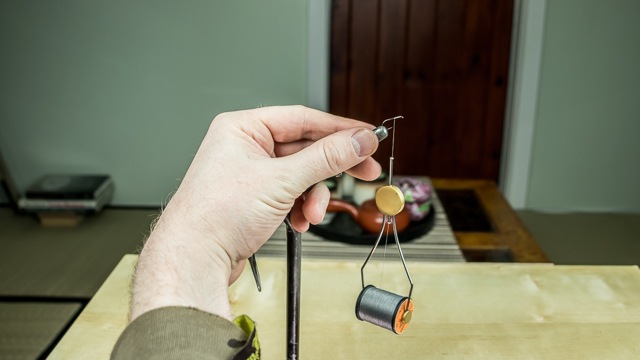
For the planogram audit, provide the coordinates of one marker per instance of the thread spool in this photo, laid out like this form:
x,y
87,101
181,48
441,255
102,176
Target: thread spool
x,y
385,309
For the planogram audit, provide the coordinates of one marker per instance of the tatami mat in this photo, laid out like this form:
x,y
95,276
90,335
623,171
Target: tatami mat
x,y
27,329
66,262
586,238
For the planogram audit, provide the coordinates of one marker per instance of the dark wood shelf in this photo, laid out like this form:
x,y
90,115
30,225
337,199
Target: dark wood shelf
x,y
507,233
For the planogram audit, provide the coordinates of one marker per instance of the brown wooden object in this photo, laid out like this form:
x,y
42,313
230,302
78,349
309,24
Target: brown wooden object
x,y
443,65
509,231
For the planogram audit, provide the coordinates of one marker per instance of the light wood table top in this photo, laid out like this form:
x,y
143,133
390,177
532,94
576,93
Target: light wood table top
x,y
462,311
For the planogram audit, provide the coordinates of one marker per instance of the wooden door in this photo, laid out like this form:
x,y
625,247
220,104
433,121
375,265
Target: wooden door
x,y
442,64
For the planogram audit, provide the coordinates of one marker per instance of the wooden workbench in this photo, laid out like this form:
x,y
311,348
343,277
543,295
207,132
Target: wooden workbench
x,y
463,311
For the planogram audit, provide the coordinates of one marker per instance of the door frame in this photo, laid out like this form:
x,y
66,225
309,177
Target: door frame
x,y
522,93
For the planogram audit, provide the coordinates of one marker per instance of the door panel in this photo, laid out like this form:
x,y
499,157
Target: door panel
x,y
442,64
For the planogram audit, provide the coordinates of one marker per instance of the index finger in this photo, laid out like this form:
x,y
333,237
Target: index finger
x,y
293,123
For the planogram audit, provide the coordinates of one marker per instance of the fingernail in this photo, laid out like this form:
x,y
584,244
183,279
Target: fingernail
x,y
364,142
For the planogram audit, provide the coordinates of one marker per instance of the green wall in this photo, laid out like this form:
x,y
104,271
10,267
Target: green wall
x,y
586,149
130,87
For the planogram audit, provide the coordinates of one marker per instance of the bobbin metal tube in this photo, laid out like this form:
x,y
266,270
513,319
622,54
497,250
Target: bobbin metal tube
x,y
294,257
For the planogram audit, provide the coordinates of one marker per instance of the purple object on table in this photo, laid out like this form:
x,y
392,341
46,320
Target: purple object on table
x,y
417,196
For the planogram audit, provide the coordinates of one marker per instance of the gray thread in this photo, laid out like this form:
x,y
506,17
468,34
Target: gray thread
x,y
379,307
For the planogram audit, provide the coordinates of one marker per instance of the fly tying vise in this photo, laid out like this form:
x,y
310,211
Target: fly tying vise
x,y
377,306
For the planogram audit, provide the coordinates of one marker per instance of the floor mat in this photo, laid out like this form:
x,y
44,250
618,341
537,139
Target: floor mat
x,y
69,262
28,329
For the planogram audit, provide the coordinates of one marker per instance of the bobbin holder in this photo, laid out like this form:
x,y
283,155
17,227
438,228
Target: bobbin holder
x,y
385,221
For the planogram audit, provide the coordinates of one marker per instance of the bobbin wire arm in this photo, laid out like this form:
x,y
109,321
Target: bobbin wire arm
x,y
386,219
404,263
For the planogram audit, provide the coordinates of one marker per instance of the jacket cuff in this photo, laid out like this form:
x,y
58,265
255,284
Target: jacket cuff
x,y
187,333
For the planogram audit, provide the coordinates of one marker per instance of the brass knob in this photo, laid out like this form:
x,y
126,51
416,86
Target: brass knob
x,y
390,200
406,318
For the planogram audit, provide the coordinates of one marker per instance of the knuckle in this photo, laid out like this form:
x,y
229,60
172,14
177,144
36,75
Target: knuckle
x,y
333,157
299,108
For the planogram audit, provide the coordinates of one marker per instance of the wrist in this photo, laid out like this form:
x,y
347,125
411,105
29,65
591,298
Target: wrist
x,y
178,267
190,244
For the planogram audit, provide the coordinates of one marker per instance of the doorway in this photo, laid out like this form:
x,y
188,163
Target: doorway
x,y
442,64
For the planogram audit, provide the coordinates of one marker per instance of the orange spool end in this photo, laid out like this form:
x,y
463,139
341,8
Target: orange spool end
x,y
403,316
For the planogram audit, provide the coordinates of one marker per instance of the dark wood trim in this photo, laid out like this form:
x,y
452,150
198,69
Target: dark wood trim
x,y
509,231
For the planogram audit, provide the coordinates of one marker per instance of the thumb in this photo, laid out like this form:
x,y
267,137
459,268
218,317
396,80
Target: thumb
x,y
331,155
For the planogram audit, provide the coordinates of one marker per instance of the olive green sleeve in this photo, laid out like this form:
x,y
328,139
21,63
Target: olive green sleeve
x,y
187,333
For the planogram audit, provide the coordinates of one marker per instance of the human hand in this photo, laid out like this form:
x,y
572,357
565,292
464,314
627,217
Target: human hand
x,y
252,169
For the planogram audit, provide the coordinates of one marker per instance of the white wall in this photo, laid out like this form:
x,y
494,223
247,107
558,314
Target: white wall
x,y
586,148
129,87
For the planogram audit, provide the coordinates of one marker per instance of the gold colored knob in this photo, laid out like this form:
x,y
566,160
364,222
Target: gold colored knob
x,y
406,318
390,200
